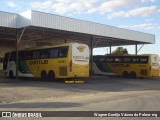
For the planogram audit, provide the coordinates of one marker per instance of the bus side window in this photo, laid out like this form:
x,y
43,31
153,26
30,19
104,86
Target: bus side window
x,y
126,60
63,51
53,53
144,59
1,60
45,53
21,55
117,59
12,56
36,54
102,59
108,60
135,60
5,61
112,60
28,55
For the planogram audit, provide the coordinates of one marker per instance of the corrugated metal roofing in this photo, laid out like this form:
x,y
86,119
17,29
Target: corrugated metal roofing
x,y
8,19
45,20
12,20
68,24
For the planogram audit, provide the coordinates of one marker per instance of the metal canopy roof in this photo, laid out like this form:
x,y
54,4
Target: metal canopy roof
x,y
44,27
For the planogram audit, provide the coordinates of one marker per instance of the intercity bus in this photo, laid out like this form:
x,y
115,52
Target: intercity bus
x,y
128,66
68,60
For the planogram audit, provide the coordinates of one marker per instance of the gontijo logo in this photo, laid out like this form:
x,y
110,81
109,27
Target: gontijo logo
x,y
81,48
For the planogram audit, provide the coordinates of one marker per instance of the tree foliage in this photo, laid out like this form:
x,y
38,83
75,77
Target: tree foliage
x,y
120,50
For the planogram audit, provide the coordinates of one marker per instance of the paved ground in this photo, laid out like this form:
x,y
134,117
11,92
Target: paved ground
x,y
98,93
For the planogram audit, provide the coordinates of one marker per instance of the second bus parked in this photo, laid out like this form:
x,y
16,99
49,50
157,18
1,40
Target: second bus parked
x,y
128,66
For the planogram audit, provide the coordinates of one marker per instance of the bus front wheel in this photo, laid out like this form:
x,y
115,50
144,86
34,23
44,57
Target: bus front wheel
x,y
51,76
133,75
43,75
125,74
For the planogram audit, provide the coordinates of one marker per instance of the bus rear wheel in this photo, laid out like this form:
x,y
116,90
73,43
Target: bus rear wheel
x,y
43,75
51,76
125,74
133,75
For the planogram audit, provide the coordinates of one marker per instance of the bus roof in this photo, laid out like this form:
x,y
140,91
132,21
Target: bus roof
x,y
43,47
126,55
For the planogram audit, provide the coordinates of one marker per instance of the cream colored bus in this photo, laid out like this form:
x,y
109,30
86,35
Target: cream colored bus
x,y
68,60
128,66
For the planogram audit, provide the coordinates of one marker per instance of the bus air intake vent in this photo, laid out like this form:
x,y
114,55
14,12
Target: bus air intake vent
x,y
63,71
143,72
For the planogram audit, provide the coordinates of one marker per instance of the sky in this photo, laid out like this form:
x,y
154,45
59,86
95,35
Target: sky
x,y
139,15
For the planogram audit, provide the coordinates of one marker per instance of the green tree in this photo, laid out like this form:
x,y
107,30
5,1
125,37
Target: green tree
x,y
120,50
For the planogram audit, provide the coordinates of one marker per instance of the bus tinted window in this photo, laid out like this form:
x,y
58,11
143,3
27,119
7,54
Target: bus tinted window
x,y
28,55
1,60
63,51
110,59
21,55
126,60
36,54
12,56
54,53
102,59
135,59
5,61
144,59
117,59
45,53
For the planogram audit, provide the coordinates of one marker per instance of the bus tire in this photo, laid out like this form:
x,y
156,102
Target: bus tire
x,y
51,76
43,75
125,74
133,75
11,74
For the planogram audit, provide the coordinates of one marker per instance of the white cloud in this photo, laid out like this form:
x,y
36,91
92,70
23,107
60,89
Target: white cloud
x,y
85,6
112,5
41,5
147,26
12,5
26,14
145,11
149,0
66,6
74,6
118,14
149,20
142,12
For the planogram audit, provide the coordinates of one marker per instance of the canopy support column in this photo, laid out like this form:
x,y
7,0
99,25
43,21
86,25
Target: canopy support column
x,y
140,48
17,45
91,57
110,49
136,48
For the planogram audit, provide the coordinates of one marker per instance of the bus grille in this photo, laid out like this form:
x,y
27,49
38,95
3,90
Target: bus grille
x,y
63,71
143,72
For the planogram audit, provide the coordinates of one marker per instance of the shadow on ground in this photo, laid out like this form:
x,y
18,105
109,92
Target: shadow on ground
x,y
41,105
95,84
